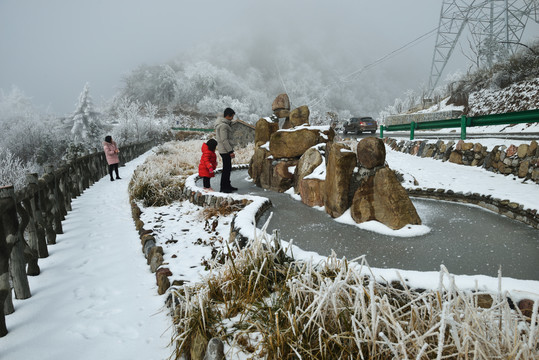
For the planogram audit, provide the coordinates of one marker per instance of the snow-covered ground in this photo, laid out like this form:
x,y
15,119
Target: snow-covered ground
x,y
96,297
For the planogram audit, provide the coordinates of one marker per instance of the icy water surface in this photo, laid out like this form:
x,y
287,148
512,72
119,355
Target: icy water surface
x,y
466,239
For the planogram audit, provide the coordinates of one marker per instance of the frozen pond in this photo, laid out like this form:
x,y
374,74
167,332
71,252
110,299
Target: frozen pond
x,y
466,239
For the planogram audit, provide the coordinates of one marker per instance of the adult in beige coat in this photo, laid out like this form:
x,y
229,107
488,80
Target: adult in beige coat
x,y
225,146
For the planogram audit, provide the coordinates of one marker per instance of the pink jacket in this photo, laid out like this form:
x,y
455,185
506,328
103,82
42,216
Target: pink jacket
x,y
110,152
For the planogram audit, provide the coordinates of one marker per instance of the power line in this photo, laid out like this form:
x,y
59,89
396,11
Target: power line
x,y
351,76
389,55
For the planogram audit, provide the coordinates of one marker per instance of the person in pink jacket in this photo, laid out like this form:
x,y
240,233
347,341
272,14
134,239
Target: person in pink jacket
x,y
111,152
208,163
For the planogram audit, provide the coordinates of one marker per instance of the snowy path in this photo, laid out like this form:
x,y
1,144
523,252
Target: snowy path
x,y
95,297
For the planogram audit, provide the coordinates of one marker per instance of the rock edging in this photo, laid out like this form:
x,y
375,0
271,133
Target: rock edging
x,y
521,161
503,207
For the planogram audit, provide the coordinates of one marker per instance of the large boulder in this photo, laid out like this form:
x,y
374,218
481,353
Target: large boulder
x,y
293,143
287,124
281,102
312,191
282,113
382,198
339,169
260,167
309,161
371,152
282,179
263,131
300,116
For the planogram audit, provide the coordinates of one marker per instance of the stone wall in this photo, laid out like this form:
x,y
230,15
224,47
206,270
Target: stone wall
x,y
503,207
242,133
521,161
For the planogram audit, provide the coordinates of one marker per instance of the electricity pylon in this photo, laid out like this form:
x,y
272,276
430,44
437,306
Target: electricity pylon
x,y
496,27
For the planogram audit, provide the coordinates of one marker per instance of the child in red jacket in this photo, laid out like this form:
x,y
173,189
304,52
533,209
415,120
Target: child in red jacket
x,y
208,163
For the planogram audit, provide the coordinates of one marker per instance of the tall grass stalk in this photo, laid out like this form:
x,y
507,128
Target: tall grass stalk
x,y
332,310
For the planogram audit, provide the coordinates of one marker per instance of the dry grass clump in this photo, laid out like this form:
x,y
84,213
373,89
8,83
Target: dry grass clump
x,y
161,179
269,306
224,209
243,155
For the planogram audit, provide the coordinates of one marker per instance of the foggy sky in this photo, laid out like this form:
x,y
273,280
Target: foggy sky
x,y
50,49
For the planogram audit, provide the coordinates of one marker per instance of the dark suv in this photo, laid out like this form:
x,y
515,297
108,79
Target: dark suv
x,y
360,124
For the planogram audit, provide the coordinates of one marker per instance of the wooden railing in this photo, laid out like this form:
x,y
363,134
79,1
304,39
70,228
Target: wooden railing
x,y
31,217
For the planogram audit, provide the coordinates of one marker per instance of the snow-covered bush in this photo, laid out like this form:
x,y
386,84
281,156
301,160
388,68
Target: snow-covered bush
x,y
136,122
13,170
30,136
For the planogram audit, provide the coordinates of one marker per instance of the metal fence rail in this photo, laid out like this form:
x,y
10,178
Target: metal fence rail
x,y
464,122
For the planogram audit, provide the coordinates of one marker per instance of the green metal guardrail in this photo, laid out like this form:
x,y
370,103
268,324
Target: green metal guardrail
x,y
192,129
464,122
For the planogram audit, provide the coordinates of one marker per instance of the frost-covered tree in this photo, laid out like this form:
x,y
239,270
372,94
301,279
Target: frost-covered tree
x,y
14,105
87,126
29,136
127,113
13,170
156,84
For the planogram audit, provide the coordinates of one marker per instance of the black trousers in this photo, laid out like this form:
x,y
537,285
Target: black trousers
x,y
206,182
115,168
225,174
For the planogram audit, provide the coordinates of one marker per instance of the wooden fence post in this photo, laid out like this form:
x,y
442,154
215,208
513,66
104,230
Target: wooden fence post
x,y
46,209
66,187
37,239
74,175
54,199
17,260
5,251
30,253
8,238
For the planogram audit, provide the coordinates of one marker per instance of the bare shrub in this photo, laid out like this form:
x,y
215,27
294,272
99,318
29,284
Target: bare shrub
x,y
13,170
